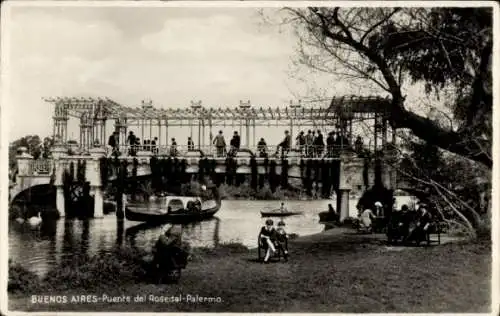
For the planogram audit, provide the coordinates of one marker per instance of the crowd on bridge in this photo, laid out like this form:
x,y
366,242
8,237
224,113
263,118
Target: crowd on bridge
x,y
310,145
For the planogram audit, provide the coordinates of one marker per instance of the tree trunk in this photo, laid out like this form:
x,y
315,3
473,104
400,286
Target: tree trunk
x,y
428,131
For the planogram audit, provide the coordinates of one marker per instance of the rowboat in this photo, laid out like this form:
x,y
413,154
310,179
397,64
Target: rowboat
x,y
177,209
327,216
278,213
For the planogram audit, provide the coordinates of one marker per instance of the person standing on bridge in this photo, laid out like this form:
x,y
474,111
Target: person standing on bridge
x,y
154,147
190,144
262,148
220,144
358,146
131,139
320,144
173,148
330,141
313,145
236,141
235,144
301,141
113,142
309,143
285,144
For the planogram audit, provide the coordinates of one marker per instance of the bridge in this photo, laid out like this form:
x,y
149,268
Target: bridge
x,y
343,174
341,169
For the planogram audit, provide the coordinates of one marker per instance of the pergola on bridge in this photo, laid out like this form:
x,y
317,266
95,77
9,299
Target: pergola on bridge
x,y
94,113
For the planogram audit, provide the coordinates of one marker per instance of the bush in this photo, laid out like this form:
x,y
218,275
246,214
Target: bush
x,y
104,269
22,280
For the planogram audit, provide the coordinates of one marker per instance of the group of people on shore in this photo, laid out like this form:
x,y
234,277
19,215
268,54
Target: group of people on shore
x,y
410,224
273,239
405,224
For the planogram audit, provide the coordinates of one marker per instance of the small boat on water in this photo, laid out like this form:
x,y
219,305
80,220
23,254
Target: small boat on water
x,y
329,216
176,209
278,213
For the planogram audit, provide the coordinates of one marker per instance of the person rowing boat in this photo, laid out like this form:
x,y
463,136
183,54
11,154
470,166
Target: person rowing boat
x,y
282,207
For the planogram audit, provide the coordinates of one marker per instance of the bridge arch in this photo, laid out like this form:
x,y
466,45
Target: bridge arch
x,y
38,193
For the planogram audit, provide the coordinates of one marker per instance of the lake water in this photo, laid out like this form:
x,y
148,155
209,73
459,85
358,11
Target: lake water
x,y
236,221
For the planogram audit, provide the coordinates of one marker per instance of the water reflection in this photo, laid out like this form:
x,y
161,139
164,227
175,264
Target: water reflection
x,y
237,221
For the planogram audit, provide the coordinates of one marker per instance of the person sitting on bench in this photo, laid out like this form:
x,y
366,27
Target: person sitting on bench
x,y
267,238
398,228
423,222
366,219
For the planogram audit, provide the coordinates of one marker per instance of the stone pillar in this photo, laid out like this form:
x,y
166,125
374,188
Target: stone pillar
x,y
94,177
98,202
348,165
58,152
343,204
24,162
60,203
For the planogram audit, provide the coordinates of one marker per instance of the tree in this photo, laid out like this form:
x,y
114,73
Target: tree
x,y
457,188
34,146
443,48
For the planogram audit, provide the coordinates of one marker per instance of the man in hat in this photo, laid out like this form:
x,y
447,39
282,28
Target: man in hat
x,y
379,209
309,143
220,144
131,142
319,144
262,148
173,148
301,141
114,141
190,144
236,141
285,144
330,141
424,219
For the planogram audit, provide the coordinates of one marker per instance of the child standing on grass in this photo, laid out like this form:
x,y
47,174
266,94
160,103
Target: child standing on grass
x,y
267,237
282,238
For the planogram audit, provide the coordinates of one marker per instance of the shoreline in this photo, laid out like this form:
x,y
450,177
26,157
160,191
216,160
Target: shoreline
x,y
327,272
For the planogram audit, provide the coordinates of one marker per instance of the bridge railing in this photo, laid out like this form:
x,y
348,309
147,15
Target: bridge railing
x,y
40,166
212,151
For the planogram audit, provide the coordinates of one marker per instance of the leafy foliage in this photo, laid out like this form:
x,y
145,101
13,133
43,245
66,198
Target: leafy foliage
x,y
445,49
35,146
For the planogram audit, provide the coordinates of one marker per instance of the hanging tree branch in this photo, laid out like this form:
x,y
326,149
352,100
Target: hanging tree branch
x,y
328,23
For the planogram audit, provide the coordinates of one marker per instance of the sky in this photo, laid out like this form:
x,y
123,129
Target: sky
x,y
169,55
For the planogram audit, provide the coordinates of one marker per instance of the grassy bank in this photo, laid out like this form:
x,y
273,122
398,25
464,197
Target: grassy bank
x,y
330,272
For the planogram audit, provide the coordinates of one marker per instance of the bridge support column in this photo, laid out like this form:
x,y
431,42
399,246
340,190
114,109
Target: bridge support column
x,y
94,177
98,202
58,153
60,203
343,203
